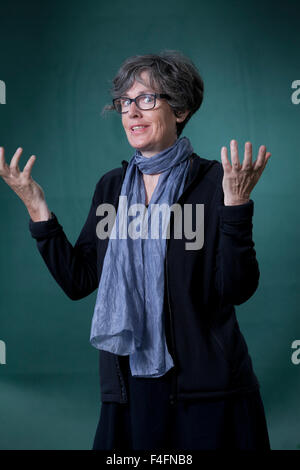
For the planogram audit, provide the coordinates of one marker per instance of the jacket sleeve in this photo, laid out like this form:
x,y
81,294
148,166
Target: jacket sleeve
x,y
237,270
73,267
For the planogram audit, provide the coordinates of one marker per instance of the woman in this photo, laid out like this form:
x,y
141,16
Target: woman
x,y
175,372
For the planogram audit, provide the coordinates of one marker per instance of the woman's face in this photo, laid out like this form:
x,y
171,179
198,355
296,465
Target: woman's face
x,y
159,132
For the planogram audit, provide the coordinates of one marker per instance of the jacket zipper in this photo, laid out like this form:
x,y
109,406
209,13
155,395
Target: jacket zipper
x,y
122,382
173,397
119,372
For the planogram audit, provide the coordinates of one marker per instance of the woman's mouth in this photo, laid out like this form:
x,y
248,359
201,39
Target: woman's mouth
x,y
138,129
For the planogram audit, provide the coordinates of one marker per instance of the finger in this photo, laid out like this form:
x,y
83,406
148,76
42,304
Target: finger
x,y
234,155
247,163
225,161
259,162
14,163
28,167
261,168
268,154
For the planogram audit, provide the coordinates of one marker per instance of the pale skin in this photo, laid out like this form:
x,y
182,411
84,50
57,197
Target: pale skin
x,y
161,132
238,179
22,183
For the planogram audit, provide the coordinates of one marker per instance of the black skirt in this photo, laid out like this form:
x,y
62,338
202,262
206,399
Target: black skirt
x,y
149,422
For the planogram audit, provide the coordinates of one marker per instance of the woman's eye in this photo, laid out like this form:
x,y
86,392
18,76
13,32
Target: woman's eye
x,y
125,102
148,99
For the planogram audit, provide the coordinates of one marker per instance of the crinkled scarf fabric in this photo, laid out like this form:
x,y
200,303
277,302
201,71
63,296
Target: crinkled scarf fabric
x,y
128,317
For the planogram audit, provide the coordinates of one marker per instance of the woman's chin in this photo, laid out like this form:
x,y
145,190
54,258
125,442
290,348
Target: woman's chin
x,y
139,144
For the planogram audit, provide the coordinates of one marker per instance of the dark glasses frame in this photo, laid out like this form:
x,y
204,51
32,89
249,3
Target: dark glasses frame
x,y
155,95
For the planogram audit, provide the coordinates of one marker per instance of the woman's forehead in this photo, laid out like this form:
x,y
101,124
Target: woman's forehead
x,y
141,84
138,89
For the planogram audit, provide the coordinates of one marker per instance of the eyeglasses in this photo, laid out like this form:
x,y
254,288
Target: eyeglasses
x,y
145,101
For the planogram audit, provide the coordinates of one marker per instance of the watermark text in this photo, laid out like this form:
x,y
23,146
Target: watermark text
x,y
2,352
295,97
295,358
2,92
133,222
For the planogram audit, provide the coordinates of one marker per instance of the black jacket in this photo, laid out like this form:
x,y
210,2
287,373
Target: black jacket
x,y
201,286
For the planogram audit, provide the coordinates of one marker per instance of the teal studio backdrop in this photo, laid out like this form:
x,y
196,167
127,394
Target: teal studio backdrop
x,y
57,59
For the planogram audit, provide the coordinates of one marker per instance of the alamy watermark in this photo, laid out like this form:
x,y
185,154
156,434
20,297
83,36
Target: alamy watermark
x,y
159,227
295,358
2,92
2,352
295,97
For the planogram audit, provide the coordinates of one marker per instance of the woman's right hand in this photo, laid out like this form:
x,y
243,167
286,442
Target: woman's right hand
x,y
22,183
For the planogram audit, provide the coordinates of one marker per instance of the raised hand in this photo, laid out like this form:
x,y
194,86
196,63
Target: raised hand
x,y
239,180
22,183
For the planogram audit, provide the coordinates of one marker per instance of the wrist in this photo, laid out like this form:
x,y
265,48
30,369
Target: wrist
x,y
235,202
39,213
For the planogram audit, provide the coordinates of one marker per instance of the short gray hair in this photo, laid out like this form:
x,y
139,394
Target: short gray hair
x,y
170,72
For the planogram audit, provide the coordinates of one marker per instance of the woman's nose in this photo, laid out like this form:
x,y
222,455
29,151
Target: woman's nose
x,y
133,110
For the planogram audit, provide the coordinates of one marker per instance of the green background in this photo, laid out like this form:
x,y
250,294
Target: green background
x,y
57,59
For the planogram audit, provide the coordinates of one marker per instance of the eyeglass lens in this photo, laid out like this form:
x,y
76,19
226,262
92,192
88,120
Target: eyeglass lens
x,y
142,101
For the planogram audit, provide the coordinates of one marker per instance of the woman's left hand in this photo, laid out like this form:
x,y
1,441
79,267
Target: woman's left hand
x,y
239,180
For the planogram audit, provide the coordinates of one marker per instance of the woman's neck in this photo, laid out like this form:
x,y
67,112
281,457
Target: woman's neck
x,y
150,182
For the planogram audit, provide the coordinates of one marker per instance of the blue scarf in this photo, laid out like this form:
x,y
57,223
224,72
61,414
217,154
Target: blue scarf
x,y
128,316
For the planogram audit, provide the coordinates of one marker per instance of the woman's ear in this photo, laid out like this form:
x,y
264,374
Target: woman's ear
x,y
181,115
